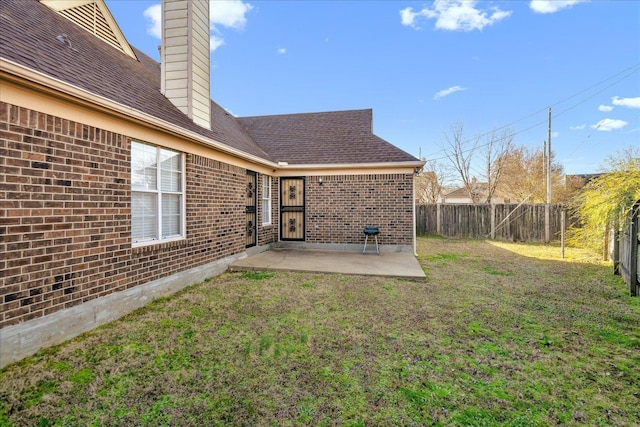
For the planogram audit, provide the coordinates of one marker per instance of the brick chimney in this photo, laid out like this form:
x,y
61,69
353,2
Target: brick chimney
x,y
185,58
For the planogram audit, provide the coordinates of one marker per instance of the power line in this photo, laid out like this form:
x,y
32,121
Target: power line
x,y
595,129
632,69
597,93
626,73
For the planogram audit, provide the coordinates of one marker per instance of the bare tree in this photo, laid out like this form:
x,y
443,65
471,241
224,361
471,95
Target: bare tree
x,y
431,181
463,152
460,152
496,150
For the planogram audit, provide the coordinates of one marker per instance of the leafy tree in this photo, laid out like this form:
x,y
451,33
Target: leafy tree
x,y
606,201
524,178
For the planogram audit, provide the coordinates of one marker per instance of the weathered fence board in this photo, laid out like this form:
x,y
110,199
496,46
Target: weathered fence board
x,y
498,221
628,265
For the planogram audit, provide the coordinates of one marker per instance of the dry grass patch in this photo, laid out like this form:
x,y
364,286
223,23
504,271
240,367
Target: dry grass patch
x,y
499,335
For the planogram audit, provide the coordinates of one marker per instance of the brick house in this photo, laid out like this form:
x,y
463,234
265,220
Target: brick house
x,y
461,195
121,181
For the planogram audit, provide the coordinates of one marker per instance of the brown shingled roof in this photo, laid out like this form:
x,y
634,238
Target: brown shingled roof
x,y
336,137
28,31
28,36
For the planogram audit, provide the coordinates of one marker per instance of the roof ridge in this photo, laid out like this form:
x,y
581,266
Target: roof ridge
x,y
309,113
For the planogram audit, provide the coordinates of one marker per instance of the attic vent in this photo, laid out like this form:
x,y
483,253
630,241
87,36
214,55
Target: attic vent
x,y
94,17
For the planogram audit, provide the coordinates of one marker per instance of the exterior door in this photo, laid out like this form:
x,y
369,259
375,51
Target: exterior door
x,y
292,209
250,202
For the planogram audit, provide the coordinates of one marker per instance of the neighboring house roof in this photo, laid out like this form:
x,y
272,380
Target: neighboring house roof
x,y
446,191
480,189
460,193
36,37
342,137
585,178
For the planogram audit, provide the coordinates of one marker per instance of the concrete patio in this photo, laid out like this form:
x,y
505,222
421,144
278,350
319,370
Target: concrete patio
x,y
387,264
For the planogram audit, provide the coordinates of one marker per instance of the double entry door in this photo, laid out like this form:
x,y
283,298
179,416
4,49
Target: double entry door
x,y
250,198
292,209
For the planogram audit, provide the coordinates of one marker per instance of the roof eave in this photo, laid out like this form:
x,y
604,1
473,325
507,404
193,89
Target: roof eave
x,y
22,73
330,166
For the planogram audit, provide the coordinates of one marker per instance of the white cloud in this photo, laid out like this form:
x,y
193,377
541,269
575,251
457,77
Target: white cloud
x,y
449,91
626,102
605,108
552,6
555,134
153,15
454,15
225,13
408,17
215,42
229,13
609,124
579,127
282,51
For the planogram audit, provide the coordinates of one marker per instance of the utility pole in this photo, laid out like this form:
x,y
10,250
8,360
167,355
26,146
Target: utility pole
x,y
549,161
544,160
547,210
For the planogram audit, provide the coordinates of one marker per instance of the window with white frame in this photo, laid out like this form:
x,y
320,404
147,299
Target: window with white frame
x,y
266,200
157,193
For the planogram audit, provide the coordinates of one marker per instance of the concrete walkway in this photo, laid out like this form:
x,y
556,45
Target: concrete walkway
x,y
387,264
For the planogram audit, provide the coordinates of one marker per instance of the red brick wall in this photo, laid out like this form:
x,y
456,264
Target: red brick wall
x,y
65,216
338,210
269,233
65,220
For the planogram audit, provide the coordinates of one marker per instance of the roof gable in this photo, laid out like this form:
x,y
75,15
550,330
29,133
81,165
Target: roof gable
x,y
93,16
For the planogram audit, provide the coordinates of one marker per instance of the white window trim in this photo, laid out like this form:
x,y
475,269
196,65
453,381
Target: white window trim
x,y
266,220
183,210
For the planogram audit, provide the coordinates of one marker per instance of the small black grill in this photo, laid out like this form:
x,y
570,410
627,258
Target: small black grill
x,y
371,231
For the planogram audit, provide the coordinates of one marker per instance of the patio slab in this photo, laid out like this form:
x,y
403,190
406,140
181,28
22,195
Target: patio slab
x,y
387,264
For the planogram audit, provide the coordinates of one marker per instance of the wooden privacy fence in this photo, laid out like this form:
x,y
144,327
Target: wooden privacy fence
x,y
626,260
525,222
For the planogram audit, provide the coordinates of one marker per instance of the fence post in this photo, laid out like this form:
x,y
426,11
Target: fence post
x,y
562,220
439,219
617,235
547,222
493,221
633,252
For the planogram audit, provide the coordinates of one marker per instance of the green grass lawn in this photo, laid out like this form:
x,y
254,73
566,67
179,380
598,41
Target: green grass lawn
x,y
499,334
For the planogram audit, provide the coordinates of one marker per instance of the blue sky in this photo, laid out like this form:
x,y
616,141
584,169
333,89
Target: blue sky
x,y
425,66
